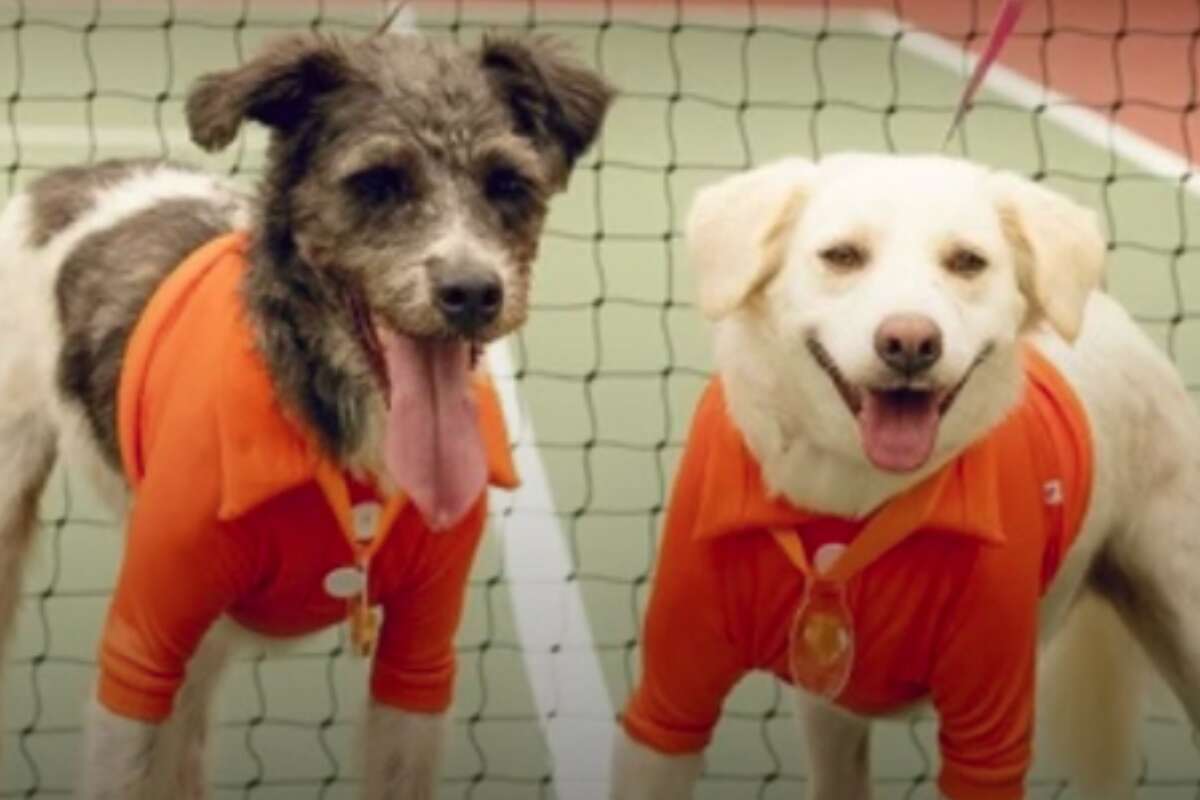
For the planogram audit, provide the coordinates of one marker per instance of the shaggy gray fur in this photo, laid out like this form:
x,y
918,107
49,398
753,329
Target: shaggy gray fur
x,y
373,144
103,286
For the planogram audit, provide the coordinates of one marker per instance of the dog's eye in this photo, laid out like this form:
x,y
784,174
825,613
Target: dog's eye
x,y
506,185
966,263
384,185
844,257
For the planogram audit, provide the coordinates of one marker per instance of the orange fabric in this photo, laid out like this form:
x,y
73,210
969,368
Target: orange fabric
x,y
944,605
236,510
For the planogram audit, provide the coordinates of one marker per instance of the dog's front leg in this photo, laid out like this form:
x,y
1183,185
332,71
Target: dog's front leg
x,y
117,756
404,753
640,773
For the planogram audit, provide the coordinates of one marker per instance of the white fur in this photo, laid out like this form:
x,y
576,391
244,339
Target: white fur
x,y
179,759
810,450
116,756
839,741
404,753
126,759
1092,681
28,324
728,240
640,773
1044,257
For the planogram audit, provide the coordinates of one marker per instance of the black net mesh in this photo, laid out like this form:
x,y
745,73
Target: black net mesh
x,y
615,355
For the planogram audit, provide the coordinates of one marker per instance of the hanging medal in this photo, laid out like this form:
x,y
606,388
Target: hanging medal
x,y
821,645
821,641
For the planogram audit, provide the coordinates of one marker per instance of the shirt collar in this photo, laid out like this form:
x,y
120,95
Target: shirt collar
x,y
962,498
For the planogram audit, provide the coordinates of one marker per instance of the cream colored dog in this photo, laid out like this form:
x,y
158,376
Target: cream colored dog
x,y
801,265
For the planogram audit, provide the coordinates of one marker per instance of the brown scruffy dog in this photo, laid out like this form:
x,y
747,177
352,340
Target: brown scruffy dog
x,y
251,378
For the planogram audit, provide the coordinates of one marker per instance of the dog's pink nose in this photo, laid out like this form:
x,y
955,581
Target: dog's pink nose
x,y
908,343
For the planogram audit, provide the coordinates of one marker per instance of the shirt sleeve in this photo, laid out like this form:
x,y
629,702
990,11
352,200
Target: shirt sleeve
x,y
983,685
689,661
688,668
181,570
414,665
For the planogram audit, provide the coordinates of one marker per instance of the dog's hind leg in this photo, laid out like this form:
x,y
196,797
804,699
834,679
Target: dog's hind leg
x,y
28,444
837,744
1092,683
1154,583
1150,573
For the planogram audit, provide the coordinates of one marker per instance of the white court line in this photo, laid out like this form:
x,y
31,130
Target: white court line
x,y
564,673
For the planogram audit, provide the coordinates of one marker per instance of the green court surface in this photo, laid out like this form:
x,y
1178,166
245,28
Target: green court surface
x,y
604,375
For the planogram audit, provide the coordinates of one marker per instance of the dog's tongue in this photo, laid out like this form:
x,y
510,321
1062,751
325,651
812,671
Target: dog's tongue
x,y
898,428
433,446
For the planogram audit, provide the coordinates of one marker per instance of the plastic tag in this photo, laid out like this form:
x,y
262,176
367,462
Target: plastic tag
x,y
366,519
345,582
364,628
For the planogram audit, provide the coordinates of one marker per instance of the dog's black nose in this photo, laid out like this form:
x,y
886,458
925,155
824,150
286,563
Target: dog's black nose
x,y
908,343
471,302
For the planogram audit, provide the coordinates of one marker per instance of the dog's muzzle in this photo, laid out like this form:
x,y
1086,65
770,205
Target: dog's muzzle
x,y
898,422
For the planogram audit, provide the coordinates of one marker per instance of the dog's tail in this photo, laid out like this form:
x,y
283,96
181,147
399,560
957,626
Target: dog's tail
x,y
1093,682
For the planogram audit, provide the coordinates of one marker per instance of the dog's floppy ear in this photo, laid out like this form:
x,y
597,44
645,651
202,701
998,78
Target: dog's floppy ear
x,y
738,231
1059,249
555,100
277,88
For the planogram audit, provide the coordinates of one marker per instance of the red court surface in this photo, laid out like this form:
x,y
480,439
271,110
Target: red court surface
x,y
1133,59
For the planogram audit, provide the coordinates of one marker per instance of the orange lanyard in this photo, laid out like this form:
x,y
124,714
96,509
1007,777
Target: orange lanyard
x,y
821,643
364,620
886,529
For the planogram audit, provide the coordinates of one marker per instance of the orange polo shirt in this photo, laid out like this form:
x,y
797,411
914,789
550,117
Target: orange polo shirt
x,y
949,612
237,511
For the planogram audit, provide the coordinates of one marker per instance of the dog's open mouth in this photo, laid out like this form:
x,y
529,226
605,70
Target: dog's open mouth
x,y
432,446
898,424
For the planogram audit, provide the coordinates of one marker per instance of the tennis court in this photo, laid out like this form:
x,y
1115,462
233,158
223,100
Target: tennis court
x,y
598,387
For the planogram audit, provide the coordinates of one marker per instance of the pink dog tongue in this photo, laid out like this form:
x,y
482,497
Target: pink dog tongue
x,y
898,429
433,446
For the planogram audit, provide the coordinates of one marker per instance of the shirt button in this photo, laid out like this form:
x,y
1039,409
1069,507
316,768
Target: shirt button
x,y
345,582
827,556
366,520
